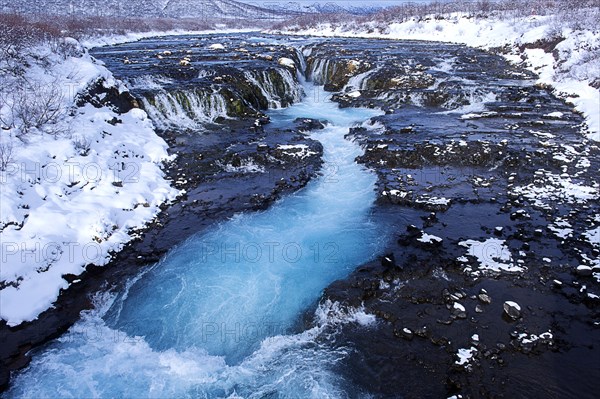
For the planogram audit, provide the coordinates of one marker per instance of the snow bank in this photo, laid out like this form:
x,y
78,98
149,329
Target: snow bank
x,y
571,73
74,198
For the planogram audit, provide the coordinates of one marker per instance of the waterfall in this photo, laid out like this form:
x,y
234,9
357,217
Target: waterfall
x,y
278,86
359,81
319,70
185,108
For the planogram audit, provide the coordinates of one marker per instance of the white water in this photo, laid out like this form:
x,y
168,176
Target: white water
x,y
262,80
216,317
168,112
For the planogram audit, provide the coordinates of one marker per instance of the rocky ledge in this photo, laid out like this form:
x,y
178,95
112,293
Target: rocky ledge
x,y
488,193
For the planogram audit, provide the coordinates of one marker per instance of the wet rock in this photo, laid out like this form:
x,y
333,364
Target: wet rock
x,y
309,124
484,297
512,310
584,271
388,261
406,333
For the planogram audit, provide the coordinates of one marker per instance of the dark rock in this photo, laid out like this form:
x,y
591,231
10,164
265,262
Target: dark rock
x,y
99,95
309,124
512,310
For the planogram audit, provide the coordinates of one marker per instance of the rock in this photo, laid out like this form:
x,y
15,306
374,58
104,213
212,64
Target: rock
x,y
287,62
478,308
485,298
422,332
99,93
459,311
407,334
388,261
512,310
309,124
584,271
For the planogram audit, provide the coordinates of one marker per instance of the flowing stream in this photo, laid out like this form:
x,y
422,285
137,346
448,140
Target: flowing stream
x,y
219,316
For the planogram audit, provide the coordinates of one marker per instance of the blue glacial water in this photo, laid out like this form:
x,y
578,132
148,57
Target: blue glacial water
x,y
218,315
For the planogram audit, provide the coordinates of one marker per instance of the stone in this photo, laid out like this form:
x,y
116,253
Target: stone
x,y
584,271
485,298
512,310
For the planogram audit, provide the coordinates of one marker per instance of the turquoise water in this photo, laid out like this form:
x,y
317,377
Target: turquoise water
x,y
217,316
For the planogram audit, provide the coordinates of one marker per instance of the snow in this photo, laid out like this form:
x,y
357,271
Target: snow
x,y
465,356
429,239
593,236
556,188
296,150
571,74
459,307
286,62
513,305
492,254
247,165
216,46
61,207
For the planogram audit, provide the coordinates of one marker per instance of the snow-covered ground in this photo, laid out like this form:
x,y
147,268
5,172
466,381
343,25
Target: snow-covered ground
x,y
75,189
569,69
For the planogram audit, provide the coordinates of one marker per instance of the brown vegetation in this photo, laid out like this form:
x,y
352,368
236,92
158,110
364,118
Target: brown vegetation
x,y
574,12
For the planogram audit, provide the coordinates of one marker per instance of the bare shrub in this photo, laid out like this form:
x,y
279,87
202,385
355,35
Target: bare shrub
x,y
6,155
35,105
82,144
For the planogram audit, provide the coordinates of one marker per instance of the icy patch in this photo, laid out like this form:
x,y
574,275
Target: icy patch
x,y
439,273
440,201
526,339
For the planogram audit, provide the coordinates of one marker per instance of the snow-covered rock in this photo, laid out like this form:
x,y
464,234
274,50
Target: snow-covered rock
x,y
287,62
512,309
